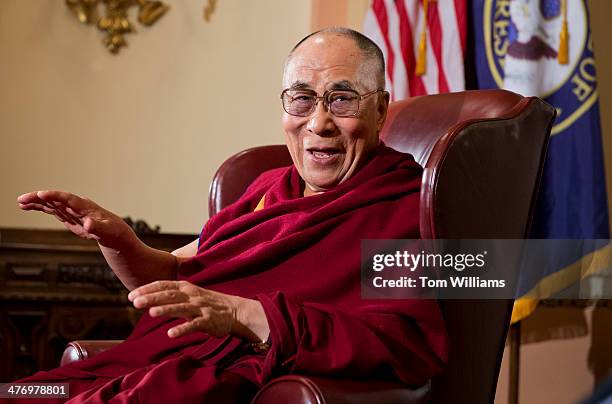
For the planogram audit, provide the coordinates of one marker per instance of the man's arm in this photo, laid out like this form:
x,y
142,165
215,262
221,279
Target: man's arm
x,y
133,262
389,338
152,272
140,264
137,264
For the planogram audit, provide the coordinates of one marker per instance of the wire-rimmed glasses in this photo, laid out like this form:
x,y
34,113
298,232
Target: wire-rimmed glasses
x,y
341,103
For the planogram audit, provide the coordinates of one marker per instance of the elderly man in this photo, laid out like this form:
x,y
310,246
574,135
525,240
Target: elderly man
x,y
272,286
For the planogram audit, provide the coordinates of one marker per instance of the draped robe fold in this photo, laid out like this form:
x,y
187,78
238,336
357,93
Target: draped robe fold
x,y
300,257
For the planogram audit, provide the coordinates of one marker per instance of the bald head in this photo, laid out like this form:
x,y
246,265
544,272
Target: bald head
x,y
372,63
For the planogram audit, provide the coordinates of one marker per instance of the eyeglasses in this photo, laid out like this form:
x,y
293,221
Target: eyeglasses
x,y
341,103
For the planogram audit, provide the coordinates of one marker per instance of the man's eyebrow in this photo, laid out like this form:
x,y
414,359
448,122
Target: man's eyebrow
x,y
342,85
299,85
339,85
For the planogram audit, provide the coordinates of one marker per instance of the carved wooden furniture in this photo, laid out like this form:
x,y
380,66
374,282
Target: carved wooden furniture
x,y
54,288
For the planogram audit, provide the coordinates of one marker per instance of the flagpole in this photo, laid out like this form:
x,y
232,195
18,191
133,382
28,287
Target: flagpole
x,y
515,356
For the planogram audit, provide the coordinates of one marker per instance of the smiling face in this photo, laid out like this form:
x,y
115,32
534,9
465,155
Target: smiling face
x,y
326,149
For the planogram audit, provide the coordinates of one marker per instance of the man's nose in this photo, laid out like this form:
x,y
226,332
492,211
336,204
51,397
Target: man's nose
x,y
320,122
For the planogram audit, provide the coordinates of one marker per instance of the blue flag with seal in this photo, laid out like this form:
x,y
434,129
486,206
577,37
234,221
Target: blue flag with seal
x,y
543,48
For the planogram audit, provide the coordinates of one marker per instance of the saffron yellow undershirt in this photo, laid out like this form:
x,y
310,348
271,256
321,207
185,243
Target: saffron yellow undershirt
x,y
260,205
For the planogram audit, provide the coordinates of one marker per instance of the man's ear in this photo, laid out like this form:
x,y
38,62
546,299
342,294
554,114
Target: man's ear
x,y
383,106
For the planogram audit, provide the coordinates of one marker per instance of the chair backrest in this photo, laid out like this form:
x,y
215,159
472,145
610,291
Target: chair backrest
x,y
483,153
238,171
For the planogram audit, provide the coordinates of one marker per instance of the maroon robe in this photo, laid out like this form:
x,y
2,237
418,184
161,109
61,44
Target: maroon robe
x,y
300,257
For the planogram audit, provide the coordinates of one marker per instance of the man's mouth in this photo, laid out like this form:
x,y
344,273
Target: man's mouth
x,y
323,153
324,156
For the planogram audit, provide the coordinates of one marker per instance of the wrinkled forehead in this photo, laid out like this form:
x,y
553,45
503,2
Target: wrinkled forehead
x,y
325,62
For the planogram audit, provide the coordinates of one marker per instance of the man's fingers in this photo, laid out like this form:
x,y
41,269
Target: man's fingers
x,y
33,206
60,212
30,197
76,203
152,287
79,215
71,211
67,200
184,310
160,298
182,329
44,207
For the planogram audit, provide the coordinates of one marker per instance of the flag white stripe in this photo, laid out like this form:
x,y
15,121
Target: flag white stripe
x,y
370,25
452,56
400,84
430,78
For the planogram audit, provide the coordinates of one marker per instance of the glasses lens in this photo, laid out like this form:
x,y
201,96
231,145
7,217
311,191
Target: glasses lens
x,y
299,103
343,103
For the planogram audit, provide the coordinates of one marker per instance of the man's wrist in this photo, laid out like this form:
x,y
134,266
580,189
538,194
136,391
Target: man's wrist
x,y
125,241
250,315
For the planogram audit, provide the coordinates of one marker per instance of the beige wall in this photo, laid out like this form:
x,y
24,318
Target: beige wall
x,y
347,13
142,132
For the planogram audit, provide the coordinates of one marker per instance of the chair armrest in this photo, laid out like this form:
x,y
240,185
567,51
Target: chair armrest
x,y
295,389
81,350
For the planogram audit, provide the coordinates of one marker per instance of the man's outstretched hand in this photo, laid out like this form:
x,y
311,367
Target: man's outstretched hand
x,y
80,215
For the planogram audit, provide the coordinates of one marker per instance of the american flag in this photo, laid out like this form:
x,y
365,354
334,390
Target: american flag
x,y
398,27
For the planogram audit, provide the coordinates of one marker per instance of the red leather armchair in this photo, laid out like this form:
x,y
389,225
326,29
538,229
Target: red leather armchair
x,y
483,153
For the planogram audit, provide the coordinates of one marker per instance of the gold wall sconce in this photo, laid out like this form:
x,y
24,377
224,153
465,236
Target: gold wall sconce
x,y
209,9
115,22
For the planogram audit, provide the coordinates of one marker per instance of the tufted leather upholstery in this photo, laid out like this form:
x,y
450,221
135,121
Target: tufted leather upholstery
x,y
483,153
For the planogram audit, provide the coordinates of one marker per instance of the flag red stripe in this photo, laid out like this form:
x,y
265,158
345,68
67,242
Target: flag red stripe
x,y
435,35
460,13
415,83
380,11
